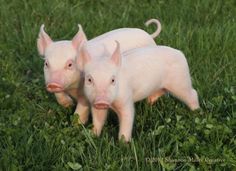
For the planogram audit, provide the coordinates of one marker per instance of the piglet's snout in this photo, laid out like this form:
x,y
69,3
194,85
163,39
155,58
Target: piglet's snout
x,y
101,103
54,87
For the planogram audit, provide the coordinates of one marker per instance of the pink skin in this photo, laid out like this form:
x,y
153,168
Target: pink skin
x,y
144,72
101,101
63,77
55,83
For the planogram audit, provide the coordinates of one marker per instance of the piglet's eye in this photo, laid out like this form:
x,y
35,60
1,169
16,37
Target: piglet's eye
x,y
89,80
113,80
69,64
46,64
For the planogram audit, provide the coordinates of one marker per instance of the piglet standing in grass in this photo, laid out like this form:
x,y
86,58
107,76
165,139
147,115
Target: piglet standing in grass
x,y
63,78
117,82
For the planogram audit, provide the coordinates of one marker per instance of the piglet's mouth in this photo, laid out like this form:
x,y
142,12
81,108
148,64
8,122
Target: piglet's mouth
x,y
54,88
101,105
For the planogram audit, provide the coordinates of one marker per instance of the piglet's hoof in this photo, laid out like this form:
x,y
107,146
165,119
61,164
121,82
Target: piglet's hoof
x,y
78,120
124,140
75,120
96,132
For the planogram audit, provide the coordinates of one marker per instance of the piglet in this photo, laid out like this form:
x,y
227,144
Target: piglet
x,y
117,82
63,77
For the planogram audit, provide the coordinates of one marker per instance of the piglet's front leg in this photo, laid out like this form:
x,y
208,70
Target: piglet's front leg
x,y
64,99
99,117
82,109
126,118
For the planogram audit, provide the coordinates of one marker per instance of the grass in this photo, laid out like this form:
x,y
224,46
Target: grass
x,y
36,133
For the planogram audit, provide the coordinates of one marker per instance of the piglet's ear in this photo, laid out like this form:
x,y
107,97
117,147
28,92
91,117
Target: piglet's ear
x,y
83,58
79,38
43,41
116,56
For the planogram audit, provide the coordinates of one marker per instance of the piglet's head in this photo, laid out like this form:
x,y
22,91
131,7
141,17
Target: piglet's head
x,y
60,69
101,77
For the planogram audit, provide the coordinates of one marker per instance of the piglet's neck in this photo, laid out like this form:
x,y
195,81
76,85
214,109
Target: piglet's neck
x,y
77,90
73,93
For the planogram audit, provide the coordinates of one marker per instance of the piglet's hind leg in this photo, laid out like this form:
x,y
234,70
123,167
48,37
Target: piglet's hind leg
x,y
188,96
180,85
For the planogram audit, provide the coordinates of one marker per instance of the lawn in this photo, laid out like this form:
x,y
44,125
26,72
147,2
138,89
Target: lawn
x,y
36,132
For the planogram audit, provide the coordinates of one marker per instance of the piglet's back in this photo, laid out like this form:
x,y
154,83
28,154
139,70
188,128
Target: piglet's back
x,y
152,56
129,38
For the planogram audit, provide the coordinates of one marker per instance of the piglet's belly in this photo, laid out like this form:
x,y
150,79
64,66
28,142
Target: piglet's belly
x,y
140,95
149,85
